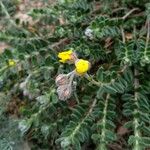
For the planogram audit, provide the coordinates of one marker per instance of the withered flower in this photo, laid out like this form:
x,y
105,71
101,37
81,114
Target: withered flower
x,y
64,92
61,79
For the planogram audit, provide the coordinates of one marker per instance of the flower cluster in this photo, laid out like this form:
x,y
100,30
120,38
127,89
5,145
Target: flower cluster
x,y
65,82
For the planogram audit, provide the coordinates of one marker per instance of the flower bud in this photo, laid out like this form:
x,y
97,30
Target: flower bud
x,y
61,79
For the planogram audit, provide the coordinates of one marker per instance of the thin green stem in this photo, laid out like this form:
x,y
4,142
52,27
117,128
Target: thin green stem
x,y
89,78
100,84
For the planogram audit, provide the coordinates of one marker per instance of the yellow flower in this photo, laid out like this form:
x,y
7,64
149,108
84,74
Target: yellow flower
x,y
11,63
65,56
82,66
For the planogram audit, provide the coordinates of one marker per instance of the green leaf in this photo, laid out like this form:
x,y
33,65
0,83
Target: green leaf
x,y
24,125
110,89
145,141
128,124
99,74
45,130
54,98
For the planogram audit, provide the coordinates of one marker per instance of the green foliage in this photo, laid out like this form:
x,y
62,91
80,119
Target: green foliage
x,y
104,128
78,129
114,36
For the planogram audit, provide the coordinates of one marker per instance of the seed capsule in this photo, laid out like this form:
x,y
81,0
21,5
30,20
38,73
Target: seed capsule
x,y
61,79
64,92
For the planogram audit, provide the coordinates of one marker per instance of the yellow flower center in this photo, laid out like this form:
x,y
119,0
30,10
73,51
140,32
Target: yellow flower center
x,y
82,66
11,63
65,56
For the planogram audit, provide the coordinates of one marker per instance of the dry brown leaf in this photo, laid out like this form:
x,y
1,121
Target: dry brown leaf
x,y
122,131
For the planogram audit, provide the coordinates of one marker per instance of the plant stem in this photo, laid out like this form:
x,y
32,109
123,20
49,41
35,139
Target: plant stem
x,y
82,121
147,38
103,134
136,121
123,35
126,15
130,12
92,80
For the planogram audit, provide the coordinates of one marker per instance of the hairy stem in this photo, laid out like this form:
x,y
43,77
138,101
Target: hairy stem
x,y
123,35
147,38
102,145
82,121
136,120
100,84
88,77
